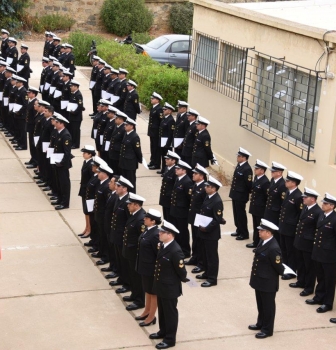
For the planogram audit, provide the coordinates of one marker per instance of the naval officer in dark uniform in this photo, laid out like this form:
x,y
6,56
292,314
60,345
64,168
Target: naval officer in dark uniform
x,y
258,199
181,125
189,138
266,268
324,255
169,272
132,104
289,217
304,242
239,193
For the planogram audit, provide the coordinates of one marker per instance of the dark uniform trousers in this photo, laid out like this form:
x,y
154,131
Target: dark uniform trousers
x,y
134,228
111,201
169,272
258,203
90,194
289,218
181,126
166,130
304,242
179,209
275,196
324,255
209,235
168,181
239,193
266,268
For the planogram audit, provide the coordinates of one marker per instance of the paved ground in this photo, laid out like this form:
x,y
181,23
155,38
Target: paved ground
x,y
52,296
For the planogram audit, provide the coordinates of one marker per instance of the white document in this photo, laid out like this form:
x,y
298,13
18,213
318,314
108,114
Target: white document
x,y
107,145
9,60
57,93
46,86
163,141
101,139
114,98
202,220
50,151
192,283
72,107
64,104
144,163
288,270
36,138
89,205
41,88
5,101
45,146
104,94
56,158
16,107
11,106
52,89
19,67
1,93
92,84
178,141
95,133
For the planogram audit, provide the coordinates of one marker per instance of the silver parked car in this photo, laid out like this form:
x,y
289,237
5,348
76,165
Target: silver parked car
x,y
172,49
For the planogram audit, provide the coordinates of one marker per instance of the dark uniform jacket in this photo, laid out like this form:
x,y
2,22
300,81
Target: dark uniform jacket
x,y
106,81
119,218
97,89
43,77
169,271
63,144
116,140
86,175
24,61
111,89
109,127
189,140
91,187
276,194
94,74
133,229
132,105
102,120
290,212
47,129
167,185
306,228
324,250
21,98
111,201
101,196
12,52
4,47
166,129
198,195
267,266
56,51
77,114
241,183
66,92
202,152
155,116
212,208
181,126
39,121
259,196
95,124
180,198
2,81
147,251
69,62
130,152
30,115
121,91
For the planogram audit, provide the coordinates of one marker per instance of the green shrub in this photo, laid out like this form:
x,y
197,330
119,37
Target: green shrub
x,y
12,14
181,18
170,82
50,22
141,38
82,44
121,17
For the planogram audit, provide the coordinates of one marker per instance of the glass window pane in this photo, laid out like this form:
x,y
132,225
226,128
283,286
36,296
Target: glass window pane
x,y
205,62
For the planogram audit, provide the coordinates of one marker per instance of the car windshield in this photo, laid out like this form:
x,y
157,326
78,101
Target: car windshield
x,y
158,42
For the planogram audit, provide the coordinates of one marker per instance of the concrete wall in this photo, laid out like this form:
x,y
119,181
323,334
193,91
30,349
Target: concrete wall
x,y
224,112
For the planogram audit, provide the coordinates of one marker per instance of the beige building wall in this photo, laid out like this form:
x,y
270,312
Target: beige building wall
x,y
224,112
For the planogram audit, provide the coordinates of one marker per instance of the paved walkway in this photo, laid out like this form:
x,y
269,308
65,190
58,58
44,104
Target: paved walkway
x,y
53,297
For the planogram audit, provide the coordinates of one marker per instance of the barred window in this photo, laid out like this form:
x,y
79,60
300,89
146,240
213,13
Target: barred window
x,y
233,66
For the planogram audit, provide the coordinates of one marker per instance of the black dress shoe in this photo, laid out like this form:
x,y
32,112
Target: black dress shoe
x,y
128,298
19,148
202,277
43,185
36,171
163,345
323,308
295,285
96,255
254,327
27,163
101,262
39,182
156,336
141,318
159,172
305,293
95,250
89,244
133,307
51,194
144,324
13,139
46,189
208,284
53,198
115,283
241,238
153,167
122,290
112,275
105,269
37,177
55,203
92,114
234,234
261,335
197,269
333,320
251,245
31,166
191,261
313,302
254,250
61,207
86,236
287,276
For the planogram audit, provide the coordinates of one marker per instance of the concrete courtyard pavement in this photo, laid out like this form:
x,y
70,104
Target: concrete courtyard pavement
x,y
52,296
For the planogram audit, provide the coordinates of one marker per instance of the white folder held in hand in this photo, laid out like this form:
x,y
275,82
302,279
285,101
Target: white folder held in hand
x,y
36,138
16,107
178,141
64,104
163,141
72,107
288,270
202,220
19,67
89,205
57,93
50,151
107,145
144,163
92,84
